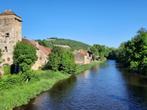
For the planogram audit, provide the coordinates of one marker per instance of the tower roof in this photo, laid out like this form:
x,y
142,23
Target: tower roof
x,y
8,12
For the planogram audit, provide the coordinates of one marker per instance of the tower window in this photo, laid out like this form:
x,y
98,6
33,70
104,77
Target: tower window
x,y
7,34
6,49
8,59
40,58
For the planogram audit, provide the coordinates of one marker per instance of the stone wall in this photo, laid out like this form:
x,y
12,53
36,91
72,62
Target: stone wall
x,y
10,34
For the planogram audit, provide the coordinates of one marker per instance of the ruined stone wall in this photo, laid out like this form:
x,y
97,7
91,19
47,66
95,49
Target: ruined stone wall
x,y
41,60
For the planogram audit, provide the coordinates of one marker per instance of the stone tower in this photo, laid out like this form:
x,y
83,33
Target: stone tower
x,y
10,34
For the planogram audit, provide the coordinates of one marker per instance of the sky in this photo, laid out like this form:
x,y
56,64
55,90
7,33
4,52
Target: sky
x,y
106,22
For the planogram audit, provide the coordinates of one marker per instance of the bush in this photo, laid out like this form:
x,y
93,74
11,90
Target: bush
x,y
61,60
24,55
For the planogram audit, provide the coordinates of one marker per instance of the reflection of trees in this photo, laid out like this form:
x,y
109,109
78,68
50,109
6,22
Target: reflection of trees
x,y
95,69
140,92
104,65
62,88
136,87
132,79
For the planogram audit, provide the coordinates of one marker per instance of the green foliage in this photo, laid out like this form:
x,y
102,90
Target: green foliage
x,y
15,91
51,42
7,69
61,60
24,55
112,53
133,53
100,51
9,82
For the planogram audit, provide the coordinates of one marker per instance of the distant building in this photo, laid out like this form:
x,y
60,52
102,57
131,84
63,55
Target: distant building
x,y
82,57
63,46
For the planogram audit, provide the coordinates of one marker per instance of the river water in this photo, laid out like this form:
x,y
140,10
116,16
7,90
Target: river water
x,y
105,87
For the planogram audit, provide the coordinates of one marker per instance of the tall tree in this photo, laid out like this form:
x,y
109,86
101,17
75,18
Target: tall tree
x,y
100,51
133,53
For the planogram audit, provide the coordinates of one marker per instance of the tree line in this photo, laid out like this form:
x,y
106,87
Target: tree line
x,y
133,53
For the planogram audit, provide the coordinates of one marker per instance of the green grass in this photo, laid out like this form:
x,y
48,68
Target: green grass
x,y
6,69
21,94
15,91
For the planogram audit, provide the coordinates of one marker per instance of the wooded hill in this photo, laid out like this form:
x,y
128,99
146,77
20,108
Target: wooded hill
x,y
50,42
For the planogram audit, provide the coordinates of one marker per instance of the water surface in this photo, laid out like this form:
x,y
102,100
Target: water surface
x,y
105,87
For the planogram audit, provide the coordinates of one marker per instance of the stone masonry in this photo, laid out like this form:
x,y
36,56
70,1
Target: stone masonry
x,y
10,34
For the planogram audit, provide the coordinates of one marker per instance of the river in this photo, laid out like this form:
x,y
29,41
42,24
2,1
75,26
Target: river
x,y
105,87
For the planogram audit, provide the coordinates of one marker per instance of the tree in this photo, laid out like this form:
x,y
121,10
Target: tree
x,y
24,55
99,51
61,60
133,53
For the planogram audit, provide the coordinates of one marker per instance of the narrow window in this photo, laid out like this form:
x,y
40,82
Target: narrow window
x,y
8,59
6,49
7,34
40,58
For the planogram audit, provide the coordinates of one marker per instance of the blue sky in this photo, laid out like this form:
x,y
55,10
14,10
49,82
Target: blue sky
x,y
107,22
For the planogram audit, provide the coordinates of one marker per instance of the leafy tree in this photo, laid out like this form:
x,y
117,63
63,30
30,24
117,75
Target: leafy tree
x,y
54,59
113,53
133,53
100,51
24,55
61,60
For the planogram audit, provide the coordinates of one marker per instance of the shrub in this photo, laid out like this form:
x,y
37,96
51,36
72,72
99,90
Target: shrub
x,y
61,60
24,55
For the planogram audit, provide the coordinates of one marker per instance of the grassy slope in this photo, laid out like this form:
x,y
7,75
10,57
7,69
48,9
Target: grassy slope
x,y
58,41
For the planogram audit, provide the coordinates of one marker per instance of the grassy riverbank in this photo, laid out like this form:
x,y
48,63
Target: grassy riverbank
x,y
14,91
82,68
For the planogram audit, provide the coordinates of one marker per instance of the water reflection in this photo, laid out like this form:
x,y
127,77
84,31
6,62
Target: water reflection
x,y
105,87
63,88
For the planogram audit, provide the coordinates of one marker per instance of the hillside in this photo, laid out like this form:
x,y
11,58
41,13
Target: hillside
x,y
50,42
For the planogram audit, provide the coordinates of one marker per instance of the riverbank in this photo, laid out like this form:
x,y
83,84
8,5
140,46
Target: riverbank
x,y
21,93
15,92
82,68
92,90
